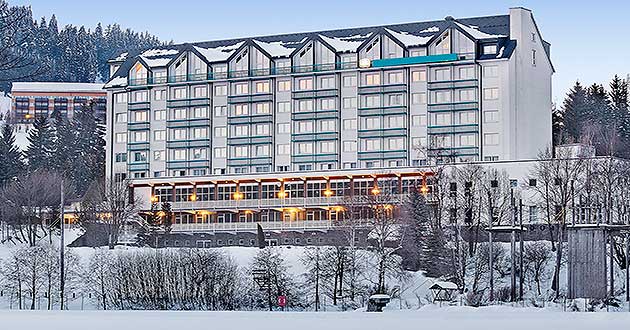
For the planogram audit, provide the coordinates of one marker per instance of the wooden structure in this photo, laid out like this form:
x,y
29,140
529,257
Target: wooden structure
x,y
444,291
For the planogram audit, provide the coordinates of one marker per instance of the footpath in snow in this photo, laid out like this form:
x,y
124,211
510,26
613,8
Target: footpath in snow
x,y
455,318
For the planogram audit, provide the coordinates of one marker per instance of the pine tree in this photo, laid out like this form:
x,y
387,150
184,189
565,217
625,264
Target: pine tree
x,y
89,159
64,144
575,113
619,106
11,165
40,138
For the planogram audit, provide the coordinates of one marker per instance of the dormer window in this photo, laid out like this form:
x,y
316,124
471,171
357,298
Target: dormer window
x,y
490,49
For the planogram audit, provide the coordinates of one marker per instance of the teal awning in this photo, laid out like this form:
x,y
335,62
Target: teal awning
x,y
414,60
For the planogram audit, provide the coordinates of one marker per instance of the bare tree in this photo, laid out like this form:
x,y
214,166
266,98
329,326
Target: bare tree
x,y
537,256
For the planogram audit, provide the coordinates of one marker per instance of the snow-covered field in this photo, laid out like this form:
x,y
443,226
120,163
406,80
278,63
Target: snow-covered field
x,y
489,318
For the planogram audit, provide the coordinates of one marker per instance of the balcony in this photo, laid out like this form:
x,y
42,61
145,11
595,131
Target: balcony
x,y
138,126
452,129
382,89
250,119
381,132
247,161
253,226
464,83
316,114
458,106
453,151
134,146
382,154
184,164
318,158
138,166
381,111
250,140
183,103
139,106
192,122
324,136
315,93
262,97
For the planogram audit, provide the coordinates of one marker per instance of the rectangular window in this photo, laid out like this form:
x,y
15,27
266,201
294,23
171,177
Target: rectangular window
x,y
491,94
467,117
262,129
466,95
284,149
349,81
418,76
305,84
140,96
305,127
220,131
140,116
159,115
140,136
284,107
491,116
200,132
159,135
394,77
121,117
200,92
349,146
397,143
372,101
327,126
241,89
442,119
491,139
220,111
468,140
419,120
200,112
284,128
349,124
241,151
490,49
262,150
120,97
179,134
419,98
305,105
140,156
305,148
349,102
262,109
372,122
159,95
179,154
442,97
159,155
220,90
442,74
199,153
395,99
372,79
327,147
241,110
220,152
179,93
121,157
371,144
179,113
467,72
327,83
395,122
284,86
491,71
241,130
262,87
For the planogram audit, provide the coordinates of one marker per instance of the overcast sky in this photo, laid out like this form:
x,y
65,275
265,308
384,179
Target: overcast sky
x,y
589,39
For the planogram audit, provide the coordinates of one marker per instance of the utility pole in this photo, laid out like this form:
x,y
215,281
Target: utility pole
x,y
521,249
490,257
62,247
513,246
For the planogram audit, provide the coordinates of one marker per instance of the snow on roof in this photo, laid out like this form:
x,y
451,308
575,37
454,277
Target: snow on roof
x,y
409,40
218,54
445,285
275,49
121,58
156,62
432,29
500,54
116,82
56,87
159,52
341,45
475,33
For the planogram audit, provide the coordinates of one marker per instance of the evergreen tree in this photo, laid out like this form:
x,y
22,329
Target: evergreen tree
x,y
40,139
64,144
575,113
619,106
89,155
11,165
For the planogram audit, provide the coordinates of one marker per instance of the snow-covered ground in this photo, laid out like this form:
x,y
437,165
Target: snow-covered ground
x,y
432,317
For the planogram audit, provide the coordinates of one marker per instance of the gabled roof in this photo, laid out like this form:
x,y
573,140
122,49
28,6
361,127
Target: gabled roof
x,y
341,40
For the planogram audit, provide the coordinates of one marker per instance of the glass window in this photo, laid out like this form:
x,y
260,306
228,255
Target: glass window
x,y
262,129
349,124
305,84
159,115
442,97
491,116
220,152
467,72
121,137
419,98
220,111
241,130
490,49
419,120
200,112
349,146
220,131
442,74
262,108
491,139
241,110
394,77
262,87
349,81
284,149
372,79
220,90
491,71
179,93
159,155
327,83
284,107
121,117
284,85
284,128
159,135
349,102
490,93
199,91
466,95
417,76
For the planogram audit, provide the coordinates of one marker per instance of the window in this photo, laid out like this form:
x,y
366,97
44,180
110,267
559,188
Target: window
x,y
371,144
179,154
349,102
284,128
241,130
199,153
397,143
491,116
262,150
467,117
491,139
159,155
349,146
467,95
262,129
349,124
533,214
200,132
179,134
417,76
418,52
121,117
140,96
468,140
326,147
140,116
304,148
490,49
305,84
491,158
328,104
305,105
240,89
442,74
140,156
284,107
419,120
442,97
220,131
140,136
120,97
491,71
159,135
159,95
262,87
372,123
327,83
179,93
372,101
395,122
121,157
284,85
200,112
121,137
241,110
442,119
220,90
262,108
394,77
419,98
467,72
349,81
220,152
241,151
179,113
491,94
305,127
284,149
200,91
395,99
220,111
327,126
159,115
372,79
533,57
419,142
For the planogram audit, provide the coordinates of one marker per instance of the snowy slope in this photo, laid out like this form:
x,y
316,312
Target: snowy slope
x,y
5,104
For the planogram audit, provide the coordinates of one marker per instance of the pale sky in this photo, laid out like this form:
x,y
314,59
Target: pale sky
x,y
588,39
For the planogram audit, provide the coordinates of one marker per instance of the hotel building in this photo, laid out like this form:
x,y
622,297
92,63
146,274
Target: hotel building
x,y
281,130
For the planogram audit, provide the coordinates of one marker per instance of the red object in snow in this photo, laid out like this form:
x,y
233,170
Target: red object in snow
x,y
282,301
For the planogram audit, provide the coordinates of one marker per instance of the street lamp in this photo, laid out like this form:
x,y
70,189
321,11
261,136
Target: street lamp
x,y
375,191
237,195
193,197
328,193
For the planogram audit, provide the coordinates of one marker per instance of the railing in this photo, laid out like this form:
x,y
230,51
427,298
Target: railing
x,y
458,106
464,83
297,225
452,129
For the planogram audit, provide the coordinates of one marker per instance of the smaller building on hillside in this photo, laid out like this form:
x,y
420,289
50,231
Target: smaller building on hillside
x,y
34,99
